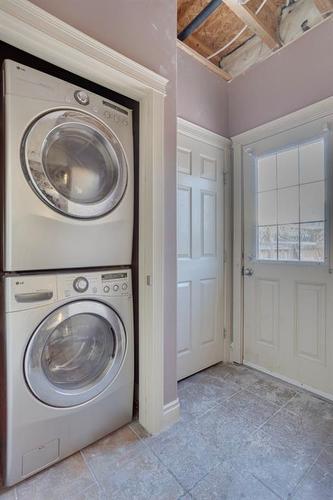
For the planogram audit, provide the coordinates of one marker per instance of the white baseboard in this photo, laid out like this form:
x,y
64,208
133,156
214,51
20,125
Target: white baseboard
x,y
291,381
171,412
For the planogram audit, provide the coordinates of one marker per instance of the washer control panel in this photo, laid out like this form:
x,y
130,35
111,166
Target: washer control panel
x,y
105,283
115,283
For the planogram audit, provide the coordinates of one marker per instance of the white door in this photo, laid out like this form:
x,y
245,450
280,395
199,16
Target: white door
x,y
288,285
200,244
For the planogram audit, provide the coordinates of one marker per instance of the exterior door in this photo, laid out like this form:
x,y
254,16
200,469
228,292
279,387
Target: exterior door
x,y
288,280
74,163
75,353
200,254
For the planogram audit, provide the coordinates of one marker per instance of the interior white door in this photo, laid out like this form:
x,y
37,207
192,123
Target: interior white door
x,y
200,245
288,280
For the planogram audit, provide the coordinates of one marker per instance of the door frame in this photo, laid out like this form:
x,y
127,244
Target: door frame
x,y
242,143
190,129
33,30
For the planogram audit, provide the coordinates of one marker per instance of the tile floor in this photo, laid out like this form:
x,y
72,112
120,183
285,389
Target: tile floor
x,y
242,435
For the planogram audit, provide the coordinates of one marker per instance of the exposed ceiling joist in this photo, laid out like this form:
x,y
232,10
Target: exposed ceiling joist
x,y
324,6
226,76
242,11
199,19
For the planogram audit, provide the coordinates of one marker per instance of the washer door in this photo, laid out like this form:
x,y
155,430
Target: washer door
x,y
75,163
75,353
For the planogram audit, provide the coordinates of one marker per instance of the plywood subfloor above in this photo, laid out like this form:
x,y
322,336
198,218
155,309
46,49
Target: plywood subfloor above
x,y
233,24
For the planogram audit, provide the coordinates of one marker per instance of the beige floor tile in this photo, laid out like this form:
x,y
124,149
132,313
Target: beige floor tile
x,y
126,468
63,480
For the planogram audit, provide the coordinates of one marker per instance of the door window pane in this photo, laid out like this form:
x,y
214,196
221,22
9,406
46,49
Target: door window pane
x,y
266,172
267,213
291,215
311,162
313,202
288,205
288,242
313,242
287,168
267,242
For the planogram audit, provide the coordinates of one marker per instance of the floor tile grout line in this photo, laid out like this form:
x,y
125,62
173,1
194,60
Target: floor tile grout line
x,y
159,459
266,486
270,417
186,490
91,470
306,472
220,403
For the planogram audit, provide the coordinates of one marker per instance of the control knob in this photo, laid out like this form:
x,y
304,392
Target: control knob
x,y
80,284
81,97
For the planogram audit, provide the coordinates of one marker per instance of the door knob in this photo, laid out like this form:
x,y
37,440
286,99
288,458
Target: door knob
x,y
247,271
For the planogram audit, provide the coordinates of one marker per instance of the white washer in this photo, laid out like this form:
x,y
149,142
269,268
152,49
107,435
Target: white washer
x,y
69,364
68,175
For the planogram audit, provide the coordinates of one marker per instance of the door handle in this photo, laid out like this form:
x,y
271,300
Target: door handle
x,y
34,296
248,271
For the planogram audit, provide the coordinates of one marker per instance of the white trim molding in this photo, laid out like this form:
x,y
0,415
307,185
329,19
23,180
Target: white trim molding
x,y
33,30
202,134
291,381
171,412
240,143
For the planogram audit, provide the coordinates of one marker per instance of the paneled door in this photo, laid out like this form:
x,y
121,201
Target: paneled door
x,y
288,280
200,245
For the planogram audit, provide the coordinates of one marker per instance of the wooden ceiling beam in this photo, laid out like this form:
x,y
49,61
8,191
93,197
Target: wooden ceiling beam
x,y
253,23
226,76
325,7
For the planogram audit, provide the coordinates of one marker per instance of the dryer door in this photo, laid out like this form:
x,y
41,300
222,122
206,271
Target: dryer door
x,y
75,353
74,163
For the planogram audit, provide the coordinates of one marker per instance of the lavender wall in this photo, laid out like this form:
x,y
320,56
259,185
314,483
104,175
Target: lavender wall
x,y
145,31
297,76
201,95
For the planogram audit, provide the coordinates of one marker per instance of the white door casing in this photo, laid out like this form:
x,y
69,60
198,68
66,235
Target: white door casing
x,y
287,304
202,161
33,30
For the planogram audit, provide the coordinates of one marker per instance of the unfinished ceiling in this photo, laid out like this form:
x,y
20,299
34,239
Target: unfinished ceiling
x,y
230,36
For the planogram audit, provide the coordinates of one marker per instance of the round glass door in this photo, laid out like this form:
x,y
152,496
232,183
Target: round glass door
x,y
75,353
75,163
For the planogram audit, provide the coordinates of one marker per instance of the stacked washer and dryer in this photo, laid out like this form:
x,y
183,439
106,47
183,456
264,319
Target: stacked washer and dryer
x,y
67,239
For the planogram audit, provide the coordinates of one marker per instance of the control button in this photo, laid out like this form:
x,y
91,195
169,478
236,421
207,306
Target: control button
x,y
116,288
95,289
106,289
124,286
81,97
80,284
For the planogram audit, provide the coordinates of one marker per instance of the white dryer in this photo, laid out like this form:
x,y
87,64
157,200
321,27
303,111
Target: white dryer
x,y
69,364
68,175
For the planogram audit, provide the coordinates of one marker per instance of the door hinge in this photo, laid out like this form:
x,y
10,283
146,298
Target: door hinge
x,y
224,333
225,178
